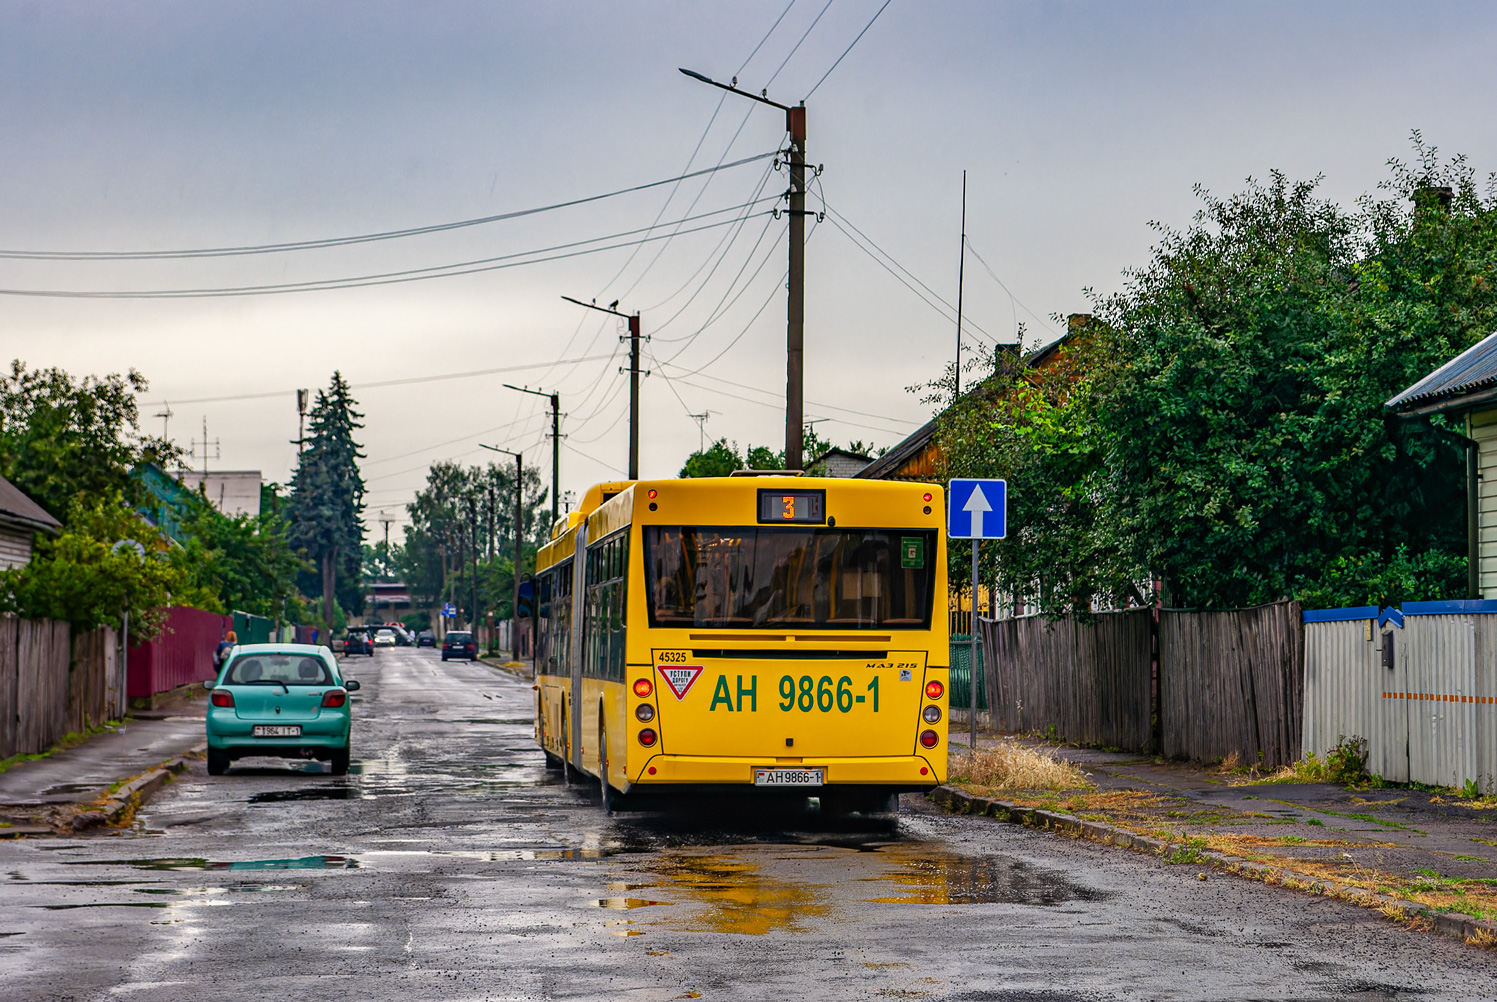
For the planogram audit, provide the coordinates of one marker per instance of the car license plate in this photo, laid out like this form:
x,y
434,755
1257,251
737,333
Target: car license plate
x,y
277,730
787,777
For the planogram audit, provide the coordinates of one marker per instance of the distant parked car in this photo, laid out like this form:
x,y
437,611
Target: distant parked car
x,y
285,700
358,641
459,644
426,638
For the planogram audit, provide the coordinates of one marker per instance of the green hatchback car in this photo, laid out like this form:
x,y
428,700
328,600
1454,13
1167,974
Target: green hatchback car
x,y
285,700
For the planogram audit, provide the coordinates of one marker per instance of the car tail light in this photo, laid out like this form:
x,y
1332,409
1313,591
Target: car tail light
x,y
222,697
643,687
644,712
931,713
334,697
647,737
934,689
929,738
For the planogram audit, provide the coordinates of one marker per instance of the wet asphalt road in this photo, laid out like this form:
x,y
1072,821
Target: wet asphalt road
x,y
452,865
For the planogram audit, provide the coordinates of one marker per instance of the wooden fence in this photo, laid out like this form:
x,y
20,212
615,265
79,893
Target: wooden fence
x,y
1089,681
1227,681
1232,681
53,684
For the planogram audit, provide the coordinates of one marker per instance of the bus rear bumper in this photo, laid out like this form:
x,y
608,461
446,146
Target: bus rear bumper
x,y
909,772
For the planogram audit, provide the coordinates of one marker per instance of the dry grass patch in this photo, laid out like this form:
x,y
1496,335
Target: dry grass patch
x,y
1014,767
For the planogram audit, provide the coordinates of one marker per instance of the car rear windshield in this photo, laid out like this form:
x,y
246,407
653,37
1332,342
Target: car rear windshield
x,y
774,577
278,669
459,638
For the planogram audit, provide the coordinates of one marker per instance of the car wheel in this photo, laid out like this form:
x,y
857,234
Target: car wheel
x,y
339,764
218,761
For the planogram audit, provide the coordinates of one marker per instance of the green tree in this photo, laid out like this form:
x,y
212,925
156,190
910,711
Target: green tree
x,y
245,561
327,502
93,572
62,437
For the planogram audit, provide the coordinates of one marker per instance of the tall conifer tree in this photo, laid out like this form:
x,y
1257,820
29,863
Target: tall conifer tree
x,y
327,500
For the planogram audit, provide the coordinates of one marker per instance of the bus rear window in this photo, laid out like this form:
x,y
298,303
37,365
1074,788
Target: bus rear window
x,y
780,577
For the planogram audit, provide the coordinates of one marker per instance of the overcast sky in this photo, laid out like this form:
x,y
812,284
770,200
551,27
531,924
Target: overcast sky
x,y
162,126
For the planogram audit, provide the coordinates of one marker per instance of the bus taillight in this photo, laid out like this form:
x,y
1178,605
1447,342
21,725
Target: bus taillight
x,y
929,738
931,713
934,689
643,688
644,712
647,736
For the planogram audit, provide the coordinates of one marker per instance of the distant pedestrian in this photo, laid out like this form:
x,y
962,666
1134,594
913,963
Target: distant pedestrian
x,y
221,652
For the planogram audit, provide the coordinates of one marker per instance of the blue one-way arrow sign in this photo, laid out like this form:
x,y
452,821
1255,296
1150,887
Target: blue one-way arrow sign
x,y
978,509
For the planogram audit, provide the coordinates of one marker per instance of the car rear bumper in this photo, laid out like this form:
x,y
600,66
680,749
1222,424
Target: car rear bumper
x,y
229,732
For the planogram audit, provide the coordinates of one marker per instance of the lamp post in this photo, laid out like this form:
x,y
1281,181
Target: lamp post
x,y
514,627
795,309
634,374
555,443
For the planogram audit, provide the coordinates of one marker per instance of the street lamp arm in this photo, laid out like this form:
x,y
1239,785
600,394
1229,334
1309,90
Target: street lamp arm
x,y
762,99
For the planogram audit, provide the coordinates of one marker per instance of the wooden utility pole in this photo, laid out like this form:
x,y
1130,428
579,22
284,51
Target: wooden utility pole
x,y
795,307
961,272
555,442
634,374
795,312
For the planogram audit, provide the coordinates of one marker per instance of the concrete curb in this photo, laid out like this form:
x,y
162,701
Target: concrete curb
x,y
120,806
1453,924
516,672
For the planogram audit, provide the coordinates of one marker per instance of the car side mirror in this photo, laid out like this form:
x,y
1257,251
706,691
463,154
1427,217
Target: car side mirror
x,y
352,685
209,684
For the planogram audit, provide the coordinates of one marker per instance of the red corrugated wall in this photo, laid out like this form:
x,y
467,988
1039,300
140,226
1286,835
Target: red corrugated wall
x,y
182,654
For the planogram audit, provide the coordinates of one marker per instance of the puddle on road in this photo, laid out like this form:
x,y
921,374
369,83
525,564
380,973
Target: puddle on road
x,y
104,904
625,904
735,896
197,892
315,793
199,863
927,876
70,788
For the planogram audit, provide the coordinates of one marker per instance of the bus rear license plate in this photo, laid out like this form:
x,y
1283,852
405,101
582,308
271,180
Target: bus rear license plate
x,y
277,730
787,777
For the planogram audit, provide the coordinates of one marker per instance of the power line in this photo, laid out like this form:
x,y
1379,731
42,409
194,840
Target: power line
x,y
798,44
402,382
994,276
384,278
845,52
362,238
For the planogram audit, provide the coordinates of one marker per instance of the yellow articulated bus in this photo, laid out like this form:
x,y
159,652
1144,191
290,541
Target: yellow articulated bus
x,y
747,634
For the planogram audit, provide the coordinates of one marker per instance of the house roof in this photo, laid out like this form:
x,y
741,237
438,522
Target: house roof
x,y
916,442
1463,382
18,509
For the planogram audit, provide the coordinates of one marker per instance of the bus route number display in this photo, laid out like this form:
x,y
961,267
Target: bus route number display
x,y
792,507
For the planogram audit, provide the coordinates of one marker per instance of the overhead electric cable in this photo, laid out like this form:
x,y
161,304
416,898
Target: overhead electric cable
x,y
798,44
453,270
845,52
402,382
362,238
994,276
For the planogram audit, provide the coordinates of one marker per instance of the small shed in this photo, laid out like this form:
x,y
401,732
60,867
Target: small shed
x,y
1466,388
20,520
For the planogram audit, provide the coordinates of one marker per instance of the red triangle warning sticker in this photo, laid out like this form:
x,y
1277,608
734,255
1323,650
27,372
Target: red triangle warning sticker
x,y
679,678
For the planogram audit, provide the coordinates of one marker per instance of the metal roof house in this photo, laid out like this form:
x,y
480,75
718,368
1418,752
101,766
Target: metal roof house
x,y
20,520
1466,387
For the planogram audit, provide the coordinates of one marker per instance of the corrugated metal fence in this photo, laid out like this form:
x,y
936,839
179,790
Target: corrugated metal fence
x,y
53,683
1087,682
1419,685
961,673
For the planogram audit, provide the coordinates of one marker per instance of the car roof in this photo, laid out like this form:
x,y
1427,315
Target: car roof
x,y
283,649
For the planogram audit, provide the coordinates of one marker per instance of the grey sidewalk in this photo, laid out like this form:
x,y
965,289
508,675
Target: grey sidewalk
x,y
81,774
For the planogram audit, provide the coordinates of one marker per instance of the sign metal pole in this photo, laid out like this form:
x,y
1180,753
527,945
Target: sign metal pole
x,y
972,656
